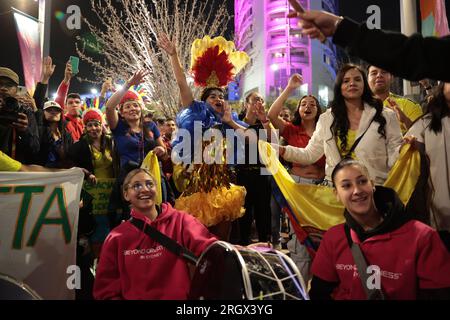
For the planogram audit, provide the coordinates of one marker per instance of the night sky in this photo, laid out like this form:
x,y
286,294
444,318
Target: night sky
x,y
62,41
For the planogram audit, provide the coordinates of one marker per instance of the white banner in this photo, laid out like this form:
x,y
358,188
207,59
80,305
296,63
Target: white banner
x,y
38,230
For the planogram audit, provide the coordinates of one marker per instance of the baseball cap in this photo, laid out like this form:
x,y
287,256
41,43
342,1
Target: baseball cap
x,y
52,104
8,73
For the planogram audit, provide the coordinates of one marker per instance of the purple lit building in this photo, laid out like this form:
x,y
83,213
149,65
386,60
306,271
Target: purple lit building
x,y
277,49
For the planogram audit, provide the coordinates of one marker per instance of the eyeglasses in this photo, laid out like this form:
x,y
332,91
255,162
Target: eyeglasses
x,y
138,186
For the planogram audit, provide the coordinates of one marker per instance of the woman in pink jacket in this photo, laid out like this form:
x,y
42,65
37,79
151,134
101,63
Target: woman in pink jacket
x,y
134,266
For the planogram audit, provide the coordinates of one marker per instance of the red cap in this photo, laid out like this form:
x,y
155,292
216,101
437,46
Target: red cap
x,y
129,96
92,114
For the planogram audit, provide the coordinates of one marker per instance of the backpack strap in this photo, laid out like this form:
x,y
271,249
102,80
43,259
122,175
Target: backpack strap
x,y
361,264
164,240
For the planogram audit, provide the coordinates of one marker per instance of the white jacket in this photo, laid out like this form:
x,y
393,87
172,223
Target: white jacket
x,y
376,152
437,147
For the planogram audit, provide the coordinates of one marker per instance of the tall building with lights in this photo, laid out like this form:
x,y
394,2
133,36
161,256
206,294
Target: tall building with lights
x,y
277,49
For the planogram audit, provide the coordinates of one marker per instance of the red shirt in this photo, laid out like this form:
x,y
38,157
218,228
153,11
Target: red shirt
x,y
133,266
410,257
296,136
74,125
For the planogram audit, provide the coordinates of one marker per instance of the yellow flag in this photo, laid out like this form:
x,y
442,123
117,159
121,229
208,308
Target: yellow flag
x,y
317,206
151,164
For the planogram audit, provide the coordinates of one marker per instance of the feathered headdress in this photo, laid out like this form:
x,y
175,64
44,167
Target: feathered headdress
x,y
214,62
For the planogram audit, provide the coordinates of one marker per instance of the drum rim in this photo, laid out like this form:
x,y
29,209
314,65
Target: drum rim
x,y
295,268
21,284
245,277
244,269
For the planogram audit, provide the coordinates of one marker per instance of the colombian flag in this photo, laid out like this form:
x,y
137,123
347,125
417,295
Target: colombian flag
x,y
434,18
313,209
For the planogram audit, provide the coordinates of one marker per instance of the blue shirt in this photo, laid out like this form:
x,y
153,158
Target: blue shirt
x,y
202,112
132,146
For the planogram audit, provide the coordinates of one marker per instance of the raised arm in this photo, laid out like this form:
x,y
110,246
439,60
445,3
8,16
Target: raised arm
x,y
411,57
61,93
41,87
169,46
295,82
112,115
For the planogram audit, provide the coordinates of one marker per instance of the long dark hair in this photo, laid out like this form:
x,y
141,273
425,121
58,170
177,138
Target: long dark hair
x,y
45,133
340,124
145,129
297,119
102,140
437,108
62,128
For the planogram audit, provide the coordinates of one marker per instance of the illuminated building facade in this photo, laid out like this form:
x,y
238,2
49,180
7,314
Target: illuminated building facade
x,y
277,49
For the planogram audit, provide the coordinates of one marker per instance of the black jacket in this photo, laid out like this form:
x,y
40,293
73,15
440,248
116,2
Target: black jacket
x,y
45,142
81,156
412,58
39,95
27,143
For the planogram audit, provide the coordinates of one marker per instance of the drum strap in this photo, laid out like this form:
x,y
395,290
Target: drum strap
x,y
164,240
361,264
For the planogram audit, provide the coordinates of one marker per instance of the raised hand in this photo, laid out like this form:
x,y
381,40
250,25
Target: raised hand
x,y
137,78
106,86
317,24
47,69
295,81
400,115
68,72
261,113
226,118
166,44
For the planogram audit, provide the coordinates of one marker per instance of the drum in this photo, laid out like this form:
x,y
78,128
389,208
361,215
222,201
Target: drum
x,y
225,272
12,289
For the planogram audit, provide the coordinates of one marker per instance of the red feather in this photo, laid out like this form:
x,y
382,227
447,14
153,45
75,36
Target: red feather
x,y
211,61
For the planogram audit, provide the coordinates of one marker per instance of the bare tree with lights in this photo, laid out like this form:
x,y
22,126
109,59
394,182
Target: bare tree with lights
x,y
127,37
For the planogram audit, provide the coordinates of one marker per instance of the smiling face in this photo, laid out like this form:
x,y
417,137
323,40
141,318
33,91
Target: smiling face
x,y
140,191
352,86
216,99
354,189
379,80
131,110
308,108
94,129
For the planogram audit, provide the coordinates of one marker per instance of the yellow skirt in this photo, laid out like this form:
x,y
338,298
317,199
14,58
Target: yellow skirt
x,y
221,204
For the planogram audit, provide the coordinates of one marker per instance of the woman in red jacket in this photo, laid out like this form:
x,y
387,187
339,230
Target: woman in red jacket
x,y
134,266
408,257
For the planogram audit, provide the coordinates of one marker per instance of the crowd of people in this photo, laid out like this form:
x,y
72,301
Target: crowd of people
x,y
349,145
